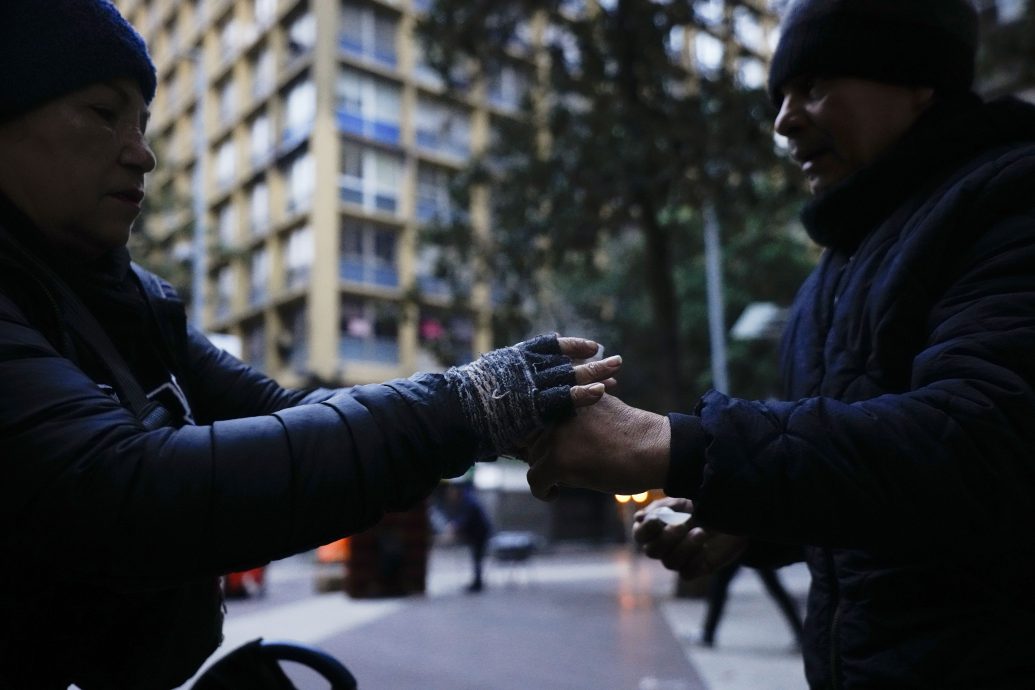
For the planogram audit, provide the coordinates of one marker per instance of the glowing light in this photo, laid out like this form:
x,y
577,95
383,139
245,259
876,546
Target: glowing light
x,y
640,498
622,498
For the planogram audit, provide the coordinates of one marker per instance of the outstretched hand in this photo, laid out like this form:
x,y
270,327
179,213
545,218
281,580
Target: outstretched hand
x,y
687,548
510,393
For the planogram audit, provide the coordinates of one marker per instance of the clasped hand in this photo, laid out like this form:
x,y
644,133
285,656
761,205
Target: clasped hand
x,y
688,548
608,446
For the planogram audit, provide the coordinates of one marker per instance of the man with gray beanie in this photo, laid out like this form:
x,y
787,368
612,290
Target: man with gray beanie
x,y
137,460
902,456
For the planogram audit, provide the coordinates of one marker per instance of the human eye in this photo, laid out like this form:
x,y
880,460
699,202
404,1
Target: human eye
x,y
106,112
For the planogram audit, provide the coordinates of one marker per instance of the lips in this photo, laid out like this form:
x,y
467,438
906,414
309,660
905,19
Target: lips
x,y
805,158
133,196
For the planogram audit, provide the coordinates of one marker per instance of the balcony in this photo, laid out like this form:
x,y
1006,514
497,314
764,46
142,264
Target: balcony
x,y
355,269
387,132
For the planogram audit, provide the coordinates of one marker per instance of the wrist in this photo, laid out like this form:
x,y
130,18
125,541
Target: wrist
x,y
654,448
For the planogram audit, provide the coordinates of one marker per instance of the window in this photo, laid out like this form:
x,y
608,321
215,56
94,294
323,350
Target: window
x,y
262,73
255,346
422,70
368,254
300,179
259,208
227,102
260,277
265,11
226,225
295,347
174,91
434,202
507,87
261,141
369,330
428,280
368,33
443,128
300,109
224,292
229,40
449,339
301,36
225,164
299,257
370,178
368,106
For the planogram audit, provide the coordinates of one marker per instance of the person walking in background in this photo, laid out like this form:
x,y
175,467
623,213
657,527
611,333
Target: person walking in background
x,y
468,521
718,591
139,460
902,453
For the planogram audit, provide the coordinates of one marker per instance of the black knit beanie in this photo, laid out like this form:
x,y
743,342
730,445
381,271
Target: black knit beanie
x,y
908,42
49,48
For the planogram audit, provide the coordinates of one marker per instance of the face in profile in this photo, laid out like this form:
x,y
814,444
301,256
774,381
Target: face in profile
x,y
838,125
76,165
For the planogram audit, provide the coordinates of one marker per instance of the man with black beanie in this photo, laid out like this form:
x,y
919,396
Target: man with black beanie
x,y
137,460
902,456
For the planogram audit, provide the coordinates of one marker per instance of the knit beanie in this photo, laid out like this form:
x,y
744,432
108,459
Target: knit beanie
x,y
49,48
909,42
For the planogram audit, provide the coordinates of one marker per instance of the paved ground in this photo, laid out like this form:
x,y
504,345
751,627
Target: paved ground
x,y
573,619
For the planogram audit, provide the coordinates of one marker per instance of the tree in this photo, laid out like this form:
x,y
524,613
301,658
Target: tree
x,y
161,238
597,191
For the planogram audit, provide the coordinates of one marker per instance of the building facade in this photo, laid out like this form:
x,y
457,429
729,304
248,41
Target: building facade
x,y
312,141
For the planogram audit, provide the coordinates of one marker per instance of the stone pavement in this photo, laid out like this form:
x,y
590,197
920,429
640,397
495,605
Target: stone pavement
x,y
572,619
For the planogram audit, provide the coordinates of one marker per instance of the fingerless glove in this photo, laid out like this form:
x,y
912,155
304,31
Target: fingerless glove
x,y
509,393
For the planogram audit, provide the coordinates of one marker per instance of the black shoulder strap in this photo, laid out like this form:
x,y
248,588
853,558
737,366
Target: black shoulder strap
x,y
150,413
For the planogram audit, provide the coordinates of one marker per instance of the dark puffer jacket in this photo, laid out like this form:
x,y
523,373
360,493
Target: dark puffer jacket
x,y
112,534
906,461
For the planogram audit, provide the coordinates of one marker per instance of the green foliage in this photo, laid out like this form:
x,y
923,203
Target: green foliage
x,y
596,226
161,238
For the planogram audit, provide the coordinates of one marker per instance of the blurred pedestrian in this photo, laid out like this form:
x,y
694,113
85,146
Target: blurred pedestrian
x,y
139,460
718,591
902,456
468,521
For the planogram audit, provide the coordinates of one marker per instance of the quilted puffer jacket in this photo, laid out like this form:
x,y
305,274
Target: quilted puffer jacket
x,y
904,455
112,534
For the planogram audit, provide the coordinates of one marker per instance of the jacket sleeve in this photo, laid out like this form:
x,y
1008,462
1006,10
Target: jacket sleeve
x,y
220,386
948,463
88,491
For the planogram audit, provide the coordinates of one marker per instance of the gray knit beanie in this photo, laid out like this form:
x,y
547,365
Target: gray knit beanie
x,y
49,48
909,42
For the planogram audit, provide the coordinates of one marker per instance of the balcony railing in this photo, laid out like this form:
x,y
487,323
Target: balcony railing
x,y
355,269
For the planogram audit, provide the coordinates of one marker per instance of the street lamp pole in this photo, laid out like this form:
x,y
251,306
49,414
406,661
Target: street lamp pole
x,y
716,318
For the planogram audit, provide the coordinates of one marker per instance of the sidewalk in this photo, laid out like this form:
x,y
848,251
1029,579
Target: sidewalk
x,y
573,619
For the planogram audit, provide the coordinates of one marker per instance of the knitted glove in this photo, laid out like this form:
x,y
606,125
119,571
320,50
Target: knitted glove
x,y
509,393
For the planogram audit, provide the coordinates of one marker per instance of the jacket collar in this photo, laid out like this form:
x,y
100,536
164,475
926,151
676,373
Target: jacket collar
x,y
945,137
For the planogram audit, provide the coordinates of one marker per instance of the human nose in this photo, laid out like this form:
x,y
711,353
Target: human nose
x,y
136,152
789,117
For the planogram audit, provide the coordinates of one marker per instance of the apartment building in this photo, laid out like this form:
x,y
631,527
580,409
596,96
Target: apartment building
x,y
312,141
